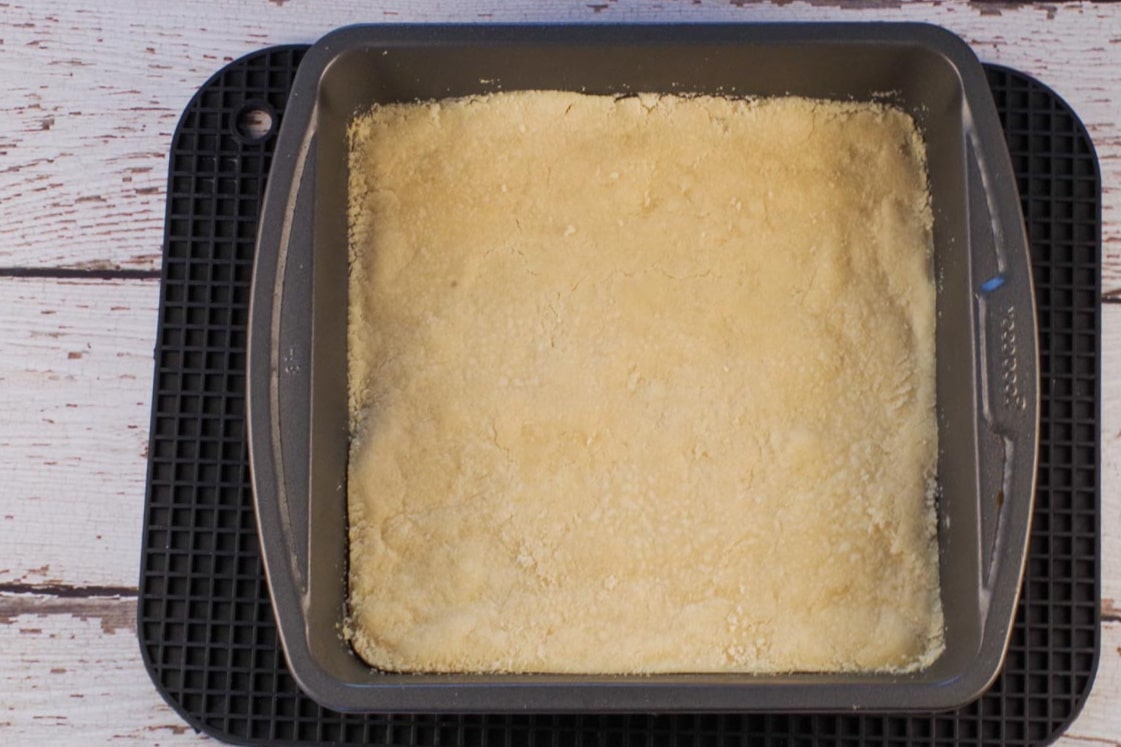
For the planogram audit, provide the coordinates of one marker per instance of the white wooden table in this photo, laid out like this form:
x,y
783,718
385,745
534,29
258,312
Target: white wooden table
x,y
91,95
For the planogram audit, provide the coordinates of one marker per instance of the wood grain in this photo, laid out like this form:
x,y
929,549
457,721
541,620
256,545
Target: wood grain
x,y
72,674
97,90
1111,464
76,372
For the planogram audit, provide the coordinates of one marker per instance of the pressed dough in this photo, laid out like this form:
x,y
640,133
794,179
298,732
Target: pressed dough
x,y
641,385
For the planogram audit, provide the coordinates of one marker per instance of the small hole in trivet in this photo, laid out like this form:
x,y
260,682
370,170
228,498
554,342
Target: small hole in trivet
x,y
254,123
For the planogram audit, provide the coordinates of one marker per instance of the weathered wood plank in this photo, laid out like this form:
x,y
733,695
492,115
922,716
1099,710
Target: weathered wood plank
x,y
1100,722
97,91
1111,464
75,372
72,674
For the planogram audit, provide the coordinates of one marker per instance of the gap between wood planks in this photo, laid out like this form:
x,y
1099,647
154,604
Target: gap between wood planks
x,y
115,612
79,273
114,606
67,591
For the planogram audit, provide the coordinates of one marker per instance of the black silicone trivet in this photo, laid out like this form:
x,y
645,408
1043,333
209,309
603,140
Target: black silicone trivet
x,y
205,622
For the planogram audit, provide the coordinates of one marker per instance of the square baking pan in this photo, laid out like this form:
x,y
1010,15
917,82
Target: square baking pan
x,y
987,382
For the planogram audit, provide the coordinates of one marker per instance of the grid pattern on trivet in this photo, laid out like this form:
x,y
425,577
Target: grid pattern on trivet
x,y
205,623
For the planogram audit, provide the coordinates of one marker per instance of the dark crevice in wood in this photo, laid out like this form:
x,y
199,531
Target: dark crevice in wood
x,y
68,591
70,273
111,612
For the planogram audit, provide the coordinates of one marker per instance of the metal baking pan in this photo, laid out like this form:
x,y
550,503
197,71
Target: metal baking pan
x,y
987,383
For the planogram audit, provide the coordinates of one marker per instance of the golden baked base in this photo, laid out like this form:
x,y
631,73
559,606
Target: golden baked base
x,y
641,385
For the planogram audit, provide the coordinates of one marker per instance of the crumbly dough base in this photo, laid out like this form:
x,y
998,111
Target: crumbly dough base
x,y
641,385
